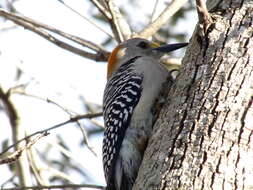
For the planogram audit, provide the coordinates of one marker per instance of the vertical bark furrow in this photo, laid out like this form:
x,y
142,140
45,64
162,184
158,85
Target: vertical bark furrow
x,y
204,138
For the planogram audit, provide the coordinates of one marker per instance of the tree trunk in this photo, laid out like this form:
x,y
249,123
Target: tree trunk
x,y
203,138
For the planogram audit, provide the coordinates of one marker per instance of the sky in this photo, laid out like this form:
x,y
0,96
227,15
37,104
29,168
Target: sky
x,y
56,74
52,73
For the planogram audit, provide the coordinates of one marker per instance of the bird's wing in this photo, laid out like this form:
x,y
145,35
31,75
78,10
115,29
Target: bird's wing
x,y
125,92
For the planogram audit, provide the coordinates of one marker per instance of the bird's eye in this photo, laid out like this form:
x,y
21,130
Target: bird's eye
x,y
143,45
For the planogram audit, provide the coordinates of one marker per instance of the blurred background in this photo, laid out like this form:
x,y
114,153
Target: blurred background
x,y
47,85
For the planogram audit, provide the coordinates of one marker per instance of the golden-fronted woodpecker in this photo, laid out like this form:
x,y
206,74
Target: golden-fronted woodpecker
x,y
135,78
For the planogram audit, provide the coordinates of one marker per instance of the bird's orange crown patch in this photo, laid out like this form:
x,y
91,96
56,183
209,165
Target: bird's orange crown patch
x,y
112,61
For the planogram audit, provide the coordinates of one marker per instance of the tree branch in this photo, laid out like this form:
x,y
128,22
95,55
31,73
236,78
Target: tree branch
x,y
162,19
17,133
57,186
36,166
118,23
9,108
21,90
102,9
154,11
205,19
16,155
71,120
85,18
37,27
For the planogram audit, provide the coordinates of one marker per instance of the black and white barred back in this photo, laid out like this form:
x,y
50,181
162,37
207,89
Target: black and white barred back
x,y
122,94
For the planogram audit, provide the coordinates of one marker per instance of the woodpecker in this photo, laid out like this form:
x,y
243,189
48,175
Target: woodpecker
x,y
135,78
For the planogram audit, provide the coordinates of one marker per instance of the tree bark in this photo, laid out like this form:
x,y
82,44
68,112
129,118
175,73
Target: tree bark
x,y
203,138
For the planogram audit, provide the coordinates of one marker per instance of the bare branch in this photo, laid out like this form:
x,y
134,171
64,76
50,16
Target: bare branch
x,y
16,155
172,62
34,26
71,120
57,187
16,90
85,137
73,38
56,173
17,133
35,165
205,19
7,26
118,23
85,116
21,91
85,18
154,11
10,180
9,108
102,9
162,19
67,153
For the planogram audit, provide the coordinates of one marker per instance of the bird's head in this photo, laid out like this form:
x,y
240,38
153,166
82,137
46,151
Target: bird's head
x,y
137,47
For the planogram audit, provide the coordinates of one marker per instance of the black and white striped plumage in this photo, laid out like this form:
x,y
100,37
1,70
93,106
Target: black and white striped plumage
x,y
136,78
121,96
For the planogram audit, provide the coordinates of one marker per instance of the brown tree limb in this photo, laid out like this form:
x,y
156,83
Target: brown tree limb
x,y
118,23
162,19
9,108
205,19
37,27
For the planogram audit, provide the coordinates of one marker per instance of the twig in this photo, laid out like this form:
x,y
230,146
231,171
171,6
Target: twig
x,y
95,122
85,137
16,155
118,23
85,116
67,110
17,133
10,180
57,186
56,173
205,19
162,19
73,38
71,120
36,167
7,26
15,90
67,153
154,11
172,61
34,26
9,108
102,9
88,20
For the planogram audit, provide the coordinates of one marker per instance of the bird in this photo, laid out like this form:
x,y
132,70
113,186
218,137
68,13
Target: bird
x,y
135,79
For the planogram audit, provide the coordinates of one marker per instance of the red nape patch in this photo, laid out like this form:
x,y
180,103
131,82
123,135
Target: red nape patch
x,y
112,61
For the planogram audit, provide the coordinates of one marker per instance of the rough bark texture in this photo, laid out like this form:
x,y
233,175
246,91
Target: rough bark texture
x,y
204,137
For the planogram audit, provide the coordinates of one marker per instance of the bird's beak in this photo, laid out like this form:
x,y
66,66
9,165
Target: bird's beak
x,y
170,47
